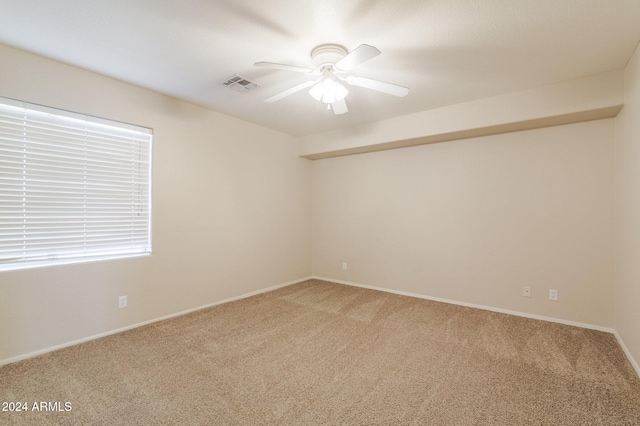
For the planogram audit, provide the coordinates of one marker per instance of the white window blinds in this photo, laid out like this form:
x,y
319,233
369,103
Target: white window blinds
x,y
72,188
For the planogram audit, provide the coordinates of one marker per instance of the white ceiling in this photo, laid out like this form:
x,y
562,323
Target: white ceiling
x,y
445,51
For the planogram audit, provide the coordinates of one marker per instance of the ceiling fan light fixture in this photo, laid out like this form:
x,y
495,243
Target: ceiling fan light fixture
x,y
328,91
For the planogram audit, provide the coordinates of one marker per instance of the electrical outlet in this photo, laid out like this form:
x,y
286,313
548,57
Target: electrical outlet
x,y
344,266
122,302
553,294
526,291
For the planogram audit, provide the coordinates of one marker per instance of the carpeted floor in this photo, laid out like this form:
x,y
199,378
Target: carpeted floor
x,y
324,353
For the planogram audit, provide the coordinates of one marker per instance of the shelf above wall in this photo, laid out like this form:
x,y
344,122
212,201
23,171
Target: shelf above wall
x,y
593,97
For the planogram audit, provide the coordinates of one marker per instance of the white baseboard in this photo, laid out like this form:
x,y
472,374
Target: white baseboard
x,y
140,324
473,305
627,353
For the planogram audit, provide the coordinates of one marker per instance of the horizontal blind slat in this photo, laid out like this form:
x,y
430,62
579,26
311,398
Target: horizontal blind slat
x,y
71,186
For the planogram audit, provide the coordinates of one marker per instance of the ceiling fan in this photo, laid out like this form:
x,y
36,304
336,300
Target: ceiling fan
x,y
333,63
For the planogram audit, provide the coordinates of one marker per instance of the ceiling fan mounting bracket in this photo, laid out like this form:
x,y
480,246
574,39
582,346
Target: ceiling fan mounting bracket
x,y
326,55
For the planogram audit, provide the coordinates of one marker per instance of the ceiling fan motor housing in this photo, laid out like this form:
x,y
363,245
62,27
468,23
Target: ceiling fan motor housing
x,y
327,55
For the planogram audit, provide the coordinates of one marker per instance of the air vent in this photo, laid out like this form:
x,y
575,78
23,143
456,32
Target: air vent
x,y
240,84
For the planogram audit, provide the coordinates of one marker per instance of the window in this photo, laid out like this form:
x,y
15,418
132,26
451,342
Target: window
x,y
73,188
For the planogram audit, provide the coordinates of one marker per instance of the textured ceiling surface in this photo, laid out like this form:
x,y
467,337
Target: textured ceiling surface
x,y
445,51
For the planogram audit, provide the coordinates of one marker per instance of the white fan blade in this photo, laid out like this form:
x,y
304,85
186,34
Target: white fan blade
x,y
339,107
285,67
290,91
380,86
359,55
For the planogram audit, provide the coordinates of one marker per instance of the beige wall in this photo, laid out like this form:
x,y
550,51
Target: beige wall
x,y
475,220
231,214
627,321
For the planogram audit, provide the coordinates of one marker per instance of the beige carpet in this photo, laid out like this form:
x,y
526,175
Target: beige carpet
x,y
324,353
